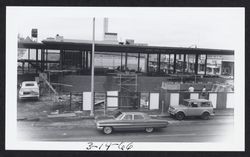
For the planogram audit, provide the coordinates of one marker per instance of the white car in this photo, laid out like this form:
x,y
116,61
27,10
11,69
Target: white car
x,y
29,89
192,107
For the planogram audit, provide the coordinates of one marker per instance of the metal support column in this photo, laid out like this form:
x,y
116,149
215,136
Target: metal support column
x,y
196,64
169,55
126,60
174,63
184,63
28,59
138,67
87,60
205,65
46,59
36,60
147,63
121,61
158,63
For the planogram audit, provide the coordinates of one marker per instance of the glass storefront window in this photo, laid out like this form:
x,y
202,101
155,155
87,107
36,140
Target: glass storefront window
x,y
143,62
132,62
152,63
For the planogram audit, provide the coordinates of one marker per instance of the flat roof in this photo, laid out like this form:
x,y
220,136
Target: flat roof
x,y
86,46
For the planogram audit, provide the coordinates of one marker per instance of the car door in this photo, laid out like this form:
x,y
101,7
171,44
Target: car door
x,y
139,121
125,122
206,106
193,109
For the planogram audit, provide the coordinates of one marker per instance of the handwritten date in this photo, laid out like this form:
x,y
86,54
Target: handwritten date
x,y
110,145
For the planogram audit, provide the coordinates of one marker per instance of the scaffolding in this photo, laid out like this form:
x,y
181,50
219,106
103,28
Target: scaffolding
x,y
128,90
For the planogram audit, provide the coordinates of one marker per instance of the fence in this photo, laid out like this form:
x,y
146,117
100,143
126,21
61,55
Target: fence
x,y
220,100
158,100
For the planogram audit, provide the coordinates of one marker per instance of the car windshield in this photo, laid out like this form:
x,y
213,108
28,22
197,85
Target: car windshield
x,y
117,114
29,84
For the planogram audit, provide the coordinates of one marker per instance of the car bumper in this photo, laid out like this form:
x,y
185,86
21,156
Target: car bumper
x,y
28,96
171,112
99,127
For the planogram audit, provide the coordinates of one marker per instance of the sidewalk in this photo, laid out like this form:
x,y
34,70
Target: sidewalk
x,y
86,115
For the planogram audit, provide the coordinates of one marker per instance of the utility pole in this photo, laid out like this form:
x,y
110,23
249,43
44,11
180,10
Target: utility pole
x,y
92,71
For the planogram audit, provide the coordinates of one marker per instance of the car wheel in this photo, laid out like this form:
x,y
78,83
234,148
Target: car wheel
x,y
179,116
205,116
107,130
149,130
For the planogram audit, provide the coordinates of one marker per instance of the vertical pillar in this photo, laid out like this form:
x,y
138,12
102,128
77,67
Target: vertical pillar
x,y
41,59
121,61
126,60
169,55
87,60
205,65
196,64
138,68
147,63
36,60
80,60
184,63
28,59
174,63
46,59
158,62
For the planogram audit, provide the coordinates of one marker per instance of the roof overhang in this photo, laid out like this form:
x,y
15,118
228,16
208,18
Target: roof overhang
x,y
60,45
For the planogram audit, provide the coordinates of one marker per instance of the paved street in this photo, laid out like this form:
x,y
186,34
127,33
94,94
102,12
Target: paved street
x,y
190,130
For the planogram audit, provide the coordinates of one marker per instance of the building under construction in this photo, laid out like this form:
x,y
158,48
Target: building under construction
x,y
133,70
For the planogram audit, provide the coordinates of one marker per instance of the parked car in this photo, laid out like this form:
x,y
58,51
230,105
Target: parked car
x,y
192,107
29,89
129,121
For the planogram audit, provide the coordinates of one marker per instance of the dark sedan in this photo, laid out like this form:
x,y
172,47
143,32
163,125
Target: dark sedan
x,y
129,121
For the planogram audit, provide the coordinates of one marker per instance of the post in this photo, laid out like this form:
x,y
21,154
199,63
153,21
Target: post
x,y
162,106
158,63
92,70
174,63
205,65
28,60
138,66
184,64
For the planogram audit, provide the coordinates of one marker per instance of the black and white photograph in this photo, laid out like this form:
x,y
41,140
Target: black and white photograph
x,y
125,79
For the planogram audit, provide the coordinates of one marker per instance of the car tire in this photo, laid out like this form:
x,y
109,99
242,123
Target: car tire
x,y
179,116
205,116
107,130
149,130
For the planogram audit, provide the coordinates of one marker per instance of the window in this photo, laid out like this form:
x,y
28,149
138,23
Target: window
x,y
138,117
127,117
29,84
193,104
205,104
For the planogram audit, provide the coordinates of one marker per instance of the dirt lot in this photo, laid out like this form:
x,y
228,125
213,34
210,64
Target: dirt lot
x,y
46,105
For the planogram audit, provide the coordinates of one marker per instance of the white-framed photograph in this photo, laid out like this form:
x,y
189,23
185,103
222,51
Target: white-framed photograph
x,y
125,78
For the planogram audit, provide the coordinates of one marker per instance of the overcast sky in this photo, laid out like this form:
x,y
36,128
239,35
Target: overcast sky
x,y
220,28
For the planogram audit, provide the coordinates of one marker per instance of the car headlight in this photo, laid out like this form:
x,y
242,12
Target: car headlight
x,y
97,124
21,92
